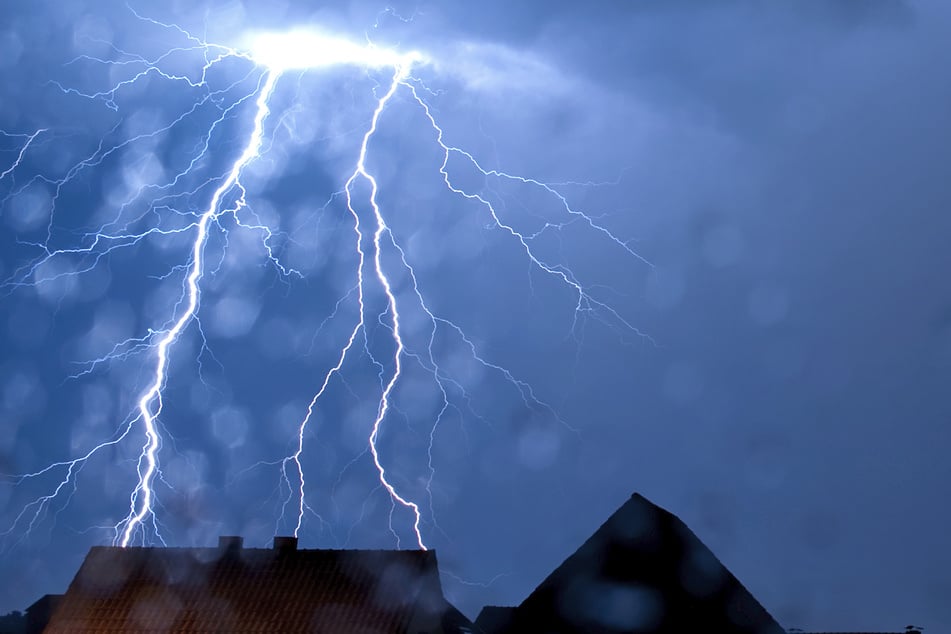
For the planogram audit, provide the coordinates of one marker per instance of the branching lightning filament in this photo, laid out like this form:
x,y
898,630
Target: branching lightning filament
x,y
383,288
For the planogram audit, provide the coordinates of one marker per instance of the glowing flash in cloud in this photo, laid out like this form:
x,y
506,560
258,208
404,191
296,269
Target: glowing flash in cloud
x,y
308,49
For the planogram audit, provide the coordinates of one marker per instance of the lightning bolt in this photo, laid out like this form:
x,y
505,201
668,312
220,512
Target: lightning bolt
x,y
150,404
29,138
268,58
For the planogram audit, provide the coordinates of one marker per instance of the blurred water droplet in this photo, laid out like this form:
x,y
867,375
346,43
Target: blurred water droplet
x,y
768,305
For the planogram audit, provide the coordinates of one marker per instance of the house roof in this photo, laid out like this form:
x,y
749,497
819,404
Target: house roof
x,y
495,618
643,570
234,589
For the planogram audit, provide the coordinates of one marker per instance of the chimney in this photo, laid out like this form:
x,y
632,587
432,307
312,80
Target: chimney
x,y
230,543
285,544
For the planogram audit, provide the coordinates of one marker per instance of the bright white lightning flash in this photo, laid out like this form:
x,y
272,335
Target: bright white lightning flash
x,y
301,49
274,55
150,404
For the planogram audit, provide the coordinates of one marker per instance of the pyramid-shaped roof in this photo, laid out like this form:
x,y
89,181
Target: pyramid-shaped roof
x,y
643,570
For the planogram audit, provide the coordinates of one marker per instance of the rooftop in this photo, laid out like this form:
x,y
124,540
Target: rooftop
x,y
236,589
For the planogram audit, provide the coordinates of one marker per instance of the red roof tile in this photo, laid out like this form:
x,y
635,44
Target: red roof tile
x,y
172,590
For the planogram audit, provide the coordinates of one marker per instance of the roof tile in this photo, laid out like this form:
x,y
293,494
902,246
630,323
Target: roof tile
x,y
172,590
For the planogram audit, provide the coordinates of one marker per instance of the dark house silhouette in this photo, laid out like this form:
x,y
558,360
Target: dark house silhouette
x,y
911,629
33,620
643,570
38,614
234,589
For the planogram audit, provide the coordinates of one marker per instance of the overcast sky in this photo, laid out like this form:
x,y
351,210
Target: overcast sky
x,y
765,349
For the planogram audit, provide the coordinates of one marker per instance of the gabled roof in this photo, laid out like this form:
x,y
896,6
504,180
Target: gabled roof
x,y
643,570
234,589
38,614
495,618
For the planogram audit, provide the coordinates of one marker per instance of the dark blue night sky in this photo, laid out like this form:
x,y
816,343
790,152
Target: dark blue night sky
x,y
722,285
